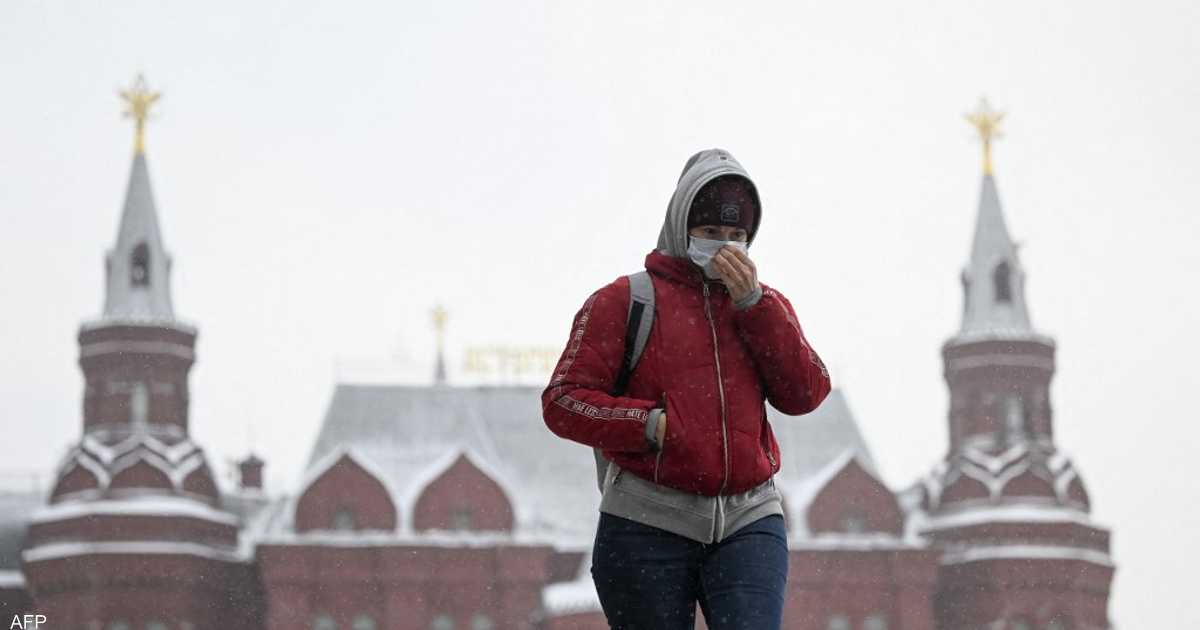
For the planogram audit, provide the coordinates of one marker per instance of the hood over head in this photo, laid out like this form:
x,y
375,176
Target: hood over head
x,y
700,169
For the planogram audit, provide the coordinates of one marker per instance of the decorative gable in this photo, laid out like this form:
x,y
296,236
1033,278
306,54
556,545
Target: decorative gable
x,y
345,494
854,501
464,497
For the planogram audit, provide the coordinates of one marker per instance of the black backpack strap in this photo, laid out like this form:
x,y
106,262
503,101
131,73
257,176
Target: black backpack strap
x,y
637,331
637,327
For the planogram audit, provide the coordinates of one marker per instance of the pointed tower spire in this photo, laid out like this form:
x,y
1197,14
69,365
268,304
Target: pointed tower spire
x,y
137,267
993,280
439,325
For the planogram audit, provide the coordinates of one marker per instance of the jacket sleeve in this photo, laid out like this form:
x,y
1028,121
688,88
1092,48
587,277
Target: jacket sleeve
x,y
794,376
577,405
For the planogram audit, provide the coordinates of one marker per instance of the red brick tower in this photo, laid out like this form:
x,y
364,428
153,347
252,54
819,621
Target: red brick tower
x,y
1007,509
134,535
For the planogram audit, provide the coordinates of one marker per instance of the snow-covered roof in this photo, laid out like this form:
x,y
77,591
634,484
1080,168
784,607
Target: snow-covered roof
x,y
407,435
106,453
994,470
808,443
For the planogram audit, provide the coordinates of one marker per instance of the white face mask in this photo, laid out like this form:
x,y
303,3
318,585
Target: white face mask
x,y
702,250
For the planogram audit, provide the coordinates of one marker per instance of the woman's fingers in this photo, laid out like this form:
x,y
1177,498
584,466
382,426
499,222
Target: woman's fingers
x,y
723,268
734,273
729,273
745,258
742,258
737,270
738,266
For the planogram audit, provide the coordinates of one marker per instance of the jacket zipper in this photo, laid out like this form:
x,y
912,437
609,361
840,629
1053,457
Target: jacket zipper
x,y
661,447
767,450
658,458
721,390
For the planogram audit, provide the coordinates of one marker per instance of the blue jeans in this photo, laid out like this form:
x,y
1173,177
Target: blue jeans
x,y
650,579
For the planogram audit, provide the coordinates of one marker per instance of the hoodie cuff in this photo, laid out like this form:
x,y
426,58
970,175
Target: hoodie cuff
x,y
749,300
652,428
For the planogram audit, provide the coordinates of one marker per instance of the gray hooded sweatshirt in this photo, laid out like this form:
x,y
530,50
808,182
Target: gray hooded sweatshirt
x,y
705,519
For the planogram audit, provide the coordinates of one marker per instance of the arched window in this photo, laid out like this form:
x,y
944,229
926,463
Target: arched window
x,y
324,622
482,622
363,622
854,522
1016,422
139,404
139,266
839,622
875,622
442,622
463,517
343,519
1002,279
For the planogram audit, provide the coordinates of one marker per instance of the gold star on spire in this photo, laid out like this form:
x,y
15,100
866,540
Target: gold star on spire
x,y
439,321
138,99
987,122
439,324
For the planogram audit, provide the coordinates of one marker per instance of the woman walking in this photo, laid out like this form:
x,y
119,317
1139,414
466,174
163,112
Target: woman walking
x,y
689,510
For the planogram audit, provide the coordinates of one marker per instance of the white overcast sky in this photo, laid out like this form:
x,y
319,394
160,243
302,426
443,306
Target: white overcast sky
x,y
326,173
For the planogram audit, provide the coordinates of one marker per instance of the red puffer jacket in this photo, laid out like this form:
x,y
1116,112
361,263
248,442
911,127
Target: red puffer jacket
x,y
708,365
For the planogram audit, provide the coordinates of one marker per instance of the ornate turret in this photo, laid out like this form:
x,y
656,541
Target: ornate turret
x,y
136,356
135,528
1005,505
998,368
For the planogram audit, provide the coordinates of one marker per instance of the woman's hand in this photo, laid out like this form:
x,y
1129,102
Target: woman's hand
x,y
737,272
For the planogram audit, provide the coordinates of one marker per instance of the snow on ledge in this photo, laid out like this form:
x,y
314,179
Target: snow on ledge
x,y
139,320
144,506
1005,514
1027,552
568,598
12,579
866,541
425,538
66,550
